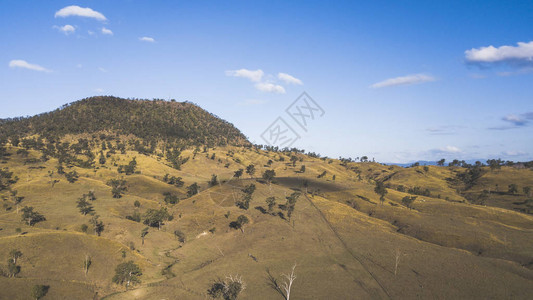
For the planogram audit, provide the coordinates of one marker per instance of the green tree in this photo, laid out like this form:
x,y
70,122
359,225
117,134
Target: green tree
x,y
294,159
170,198
213,181
31,217
269,175
118,187
72,176
15,254
84,206
98,225
239,223
513,189
127,273
192,189
238,173
12,268
144,232
441,162
250,170
271,202
408,201
302,169
156,217
291,203
38,291
381,190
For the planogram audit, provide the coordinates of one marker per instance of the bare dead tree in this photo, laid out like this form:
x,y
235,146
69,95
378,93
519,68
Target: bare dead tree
x,y
397,255
287,285
86,264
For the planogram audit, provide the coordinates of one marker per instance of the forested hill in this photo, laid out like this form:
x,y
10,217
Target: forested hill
x,y
146,119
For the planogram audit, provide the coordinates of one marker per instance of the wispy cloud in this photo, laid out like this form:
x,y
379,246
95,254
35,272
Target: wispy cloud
x,y
444,130
250,102
67,29
99,90
18,63
75,10
146,39
253,75
270,87
515,121
514,153
102,70
522,53
289,79
106,31
404,80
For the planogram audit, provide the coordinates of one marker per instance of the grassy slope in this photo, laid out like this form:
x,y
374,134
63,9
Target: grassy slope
x,y
341,252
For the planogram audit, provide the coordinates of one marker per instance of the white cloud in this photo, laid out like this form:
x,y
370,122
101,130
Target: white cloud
x,y
254,76
99,90
270,87
102,70
75,10
491,54
18,63
106,31
450,149
146,39
79,66
289,79
404,80
67,29
514,153
90,32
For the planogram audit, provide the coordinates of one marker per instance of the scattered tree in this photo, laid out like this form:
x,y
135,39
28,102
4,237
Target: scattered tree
x,y
441,162
15,254
271,202
128,273
513,189
238,173
192,189
31,217
213,181
97,225
408,201
239,223
170,198
228,289
268,175
250,170
84,206
156,217
144,232
118,187
38,291
381,190
71,176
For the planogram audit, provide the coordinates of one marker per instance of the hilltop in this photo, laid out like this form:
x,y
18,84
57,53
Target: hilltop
x,y
187,208
146,119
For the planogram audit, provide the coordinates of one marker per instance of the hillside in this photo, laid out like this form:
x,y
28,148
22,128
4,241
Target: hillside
x,y
454,241
146,119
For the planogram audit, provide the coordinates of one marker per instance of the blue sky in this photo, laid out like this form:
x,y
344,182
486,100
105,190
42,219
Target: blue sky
x,y
398,80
